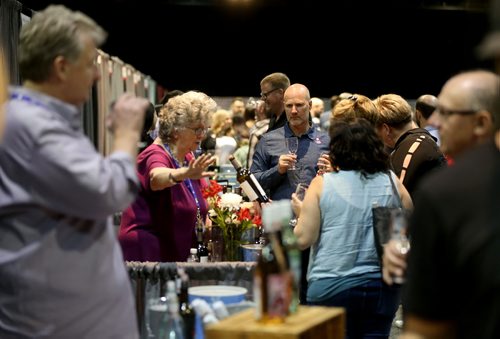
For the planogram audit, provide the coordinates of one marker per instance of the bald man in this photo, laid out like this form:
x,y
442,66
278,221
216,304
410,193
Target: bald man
x,y
424,107
272,161
317,107
473,238
464,116
455,227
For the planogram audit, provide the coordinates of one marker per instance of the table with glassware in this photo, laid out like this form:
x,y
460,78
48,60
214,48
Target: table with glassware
x,y
149,279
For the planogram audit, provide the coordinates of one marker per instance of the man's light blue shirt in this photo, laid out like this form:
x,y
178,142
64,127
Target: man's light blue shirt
x,y
62,269
434,132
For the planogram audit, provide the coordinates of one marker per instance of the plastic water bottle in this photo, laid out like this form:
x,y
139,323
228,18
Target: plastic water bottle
x,y
173,325
193,255
185,310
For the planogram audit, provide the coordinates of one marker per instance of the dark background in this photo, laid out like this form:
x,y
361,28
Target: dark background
x,y
368,47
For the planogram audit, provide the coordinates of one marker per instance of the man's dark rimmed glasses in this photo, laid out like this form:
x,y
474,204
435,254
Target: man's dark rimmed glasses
x,y
447,112
198,131
266,94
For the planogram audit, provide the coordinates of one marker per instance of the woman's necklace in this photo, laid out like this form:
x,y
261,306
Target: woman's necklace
x,y
189,184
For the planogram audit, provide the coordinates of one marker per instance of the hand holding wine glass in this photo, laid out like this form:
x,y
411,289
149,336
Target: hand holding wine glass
x,y
399,238
393,262
292,144
324,163
300,193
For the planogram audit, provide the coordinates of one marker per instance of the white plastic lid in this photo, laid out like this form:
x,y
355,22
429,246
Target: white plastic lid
x,y
193,251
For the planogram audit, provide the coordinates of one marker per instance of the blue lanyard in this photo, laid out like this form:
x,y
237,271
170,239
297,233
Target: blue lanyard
x,y
28,99
187,181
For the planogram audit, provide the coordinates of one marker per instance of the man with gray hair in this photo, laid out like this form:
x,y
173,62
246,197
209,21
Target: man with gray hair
x,y
277,169
61,267
272,90
455,227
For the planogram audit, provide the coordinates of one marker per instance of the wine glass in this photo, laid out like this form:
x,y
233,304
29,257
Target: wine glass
x,y
292,144
155,313
323,168
399,235
300,191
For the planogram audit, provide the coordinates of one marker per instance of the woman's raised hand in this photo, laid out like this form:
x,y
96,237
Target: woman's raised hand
x,y
197,168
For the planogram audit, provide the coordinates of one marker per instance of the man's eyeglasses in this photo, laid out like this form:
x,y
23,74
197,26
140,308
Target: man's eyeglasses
x,y
447,112
264,95
198,131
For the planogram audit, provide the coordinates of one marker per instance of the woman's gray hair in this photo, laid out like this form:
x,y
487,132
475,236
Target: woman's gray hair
x,y
183,110
55,31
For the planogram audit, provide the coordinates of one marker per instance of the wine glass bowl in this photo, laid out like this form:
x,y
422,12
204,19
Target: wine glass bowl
x,y
323,167
300,191
155,312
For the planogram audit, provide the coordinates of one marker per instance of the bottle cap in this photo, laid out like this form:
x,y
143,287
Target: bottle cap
x,y
171,286
236,164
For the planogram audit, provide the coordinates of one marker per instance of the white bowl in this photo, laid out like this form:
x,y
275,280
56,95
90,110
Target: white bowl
x,y
212,293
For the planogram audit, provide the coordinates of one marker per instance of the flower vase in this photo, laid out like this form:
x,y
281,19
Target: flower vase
x,y
232,242
217,243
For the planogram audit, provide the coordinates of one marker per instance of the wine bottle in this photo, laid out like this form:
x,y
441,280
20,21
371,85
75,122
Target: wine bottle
x,y
202,248
272,277
248,182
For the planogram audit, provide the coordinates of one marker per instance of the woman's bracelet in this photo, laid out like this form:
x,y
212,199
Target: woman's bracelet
x,y
171,178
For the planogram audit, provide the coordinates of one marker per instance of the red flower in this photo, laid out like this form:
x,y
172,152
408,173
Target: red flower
x,y
229,213
244,214
212,190
257,220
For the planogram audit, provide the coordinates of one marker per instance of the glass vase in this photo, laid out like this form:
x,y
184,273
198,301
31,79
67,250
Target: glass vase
x,y
232,242
215,243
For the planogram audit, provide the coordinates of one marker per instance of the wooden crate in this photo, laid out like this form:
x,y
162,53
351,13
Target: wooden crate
x,y
310,322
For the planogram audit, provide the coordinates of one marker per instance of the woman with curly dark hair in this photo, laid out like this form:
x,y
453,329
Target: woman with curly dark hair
x,y
335,220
